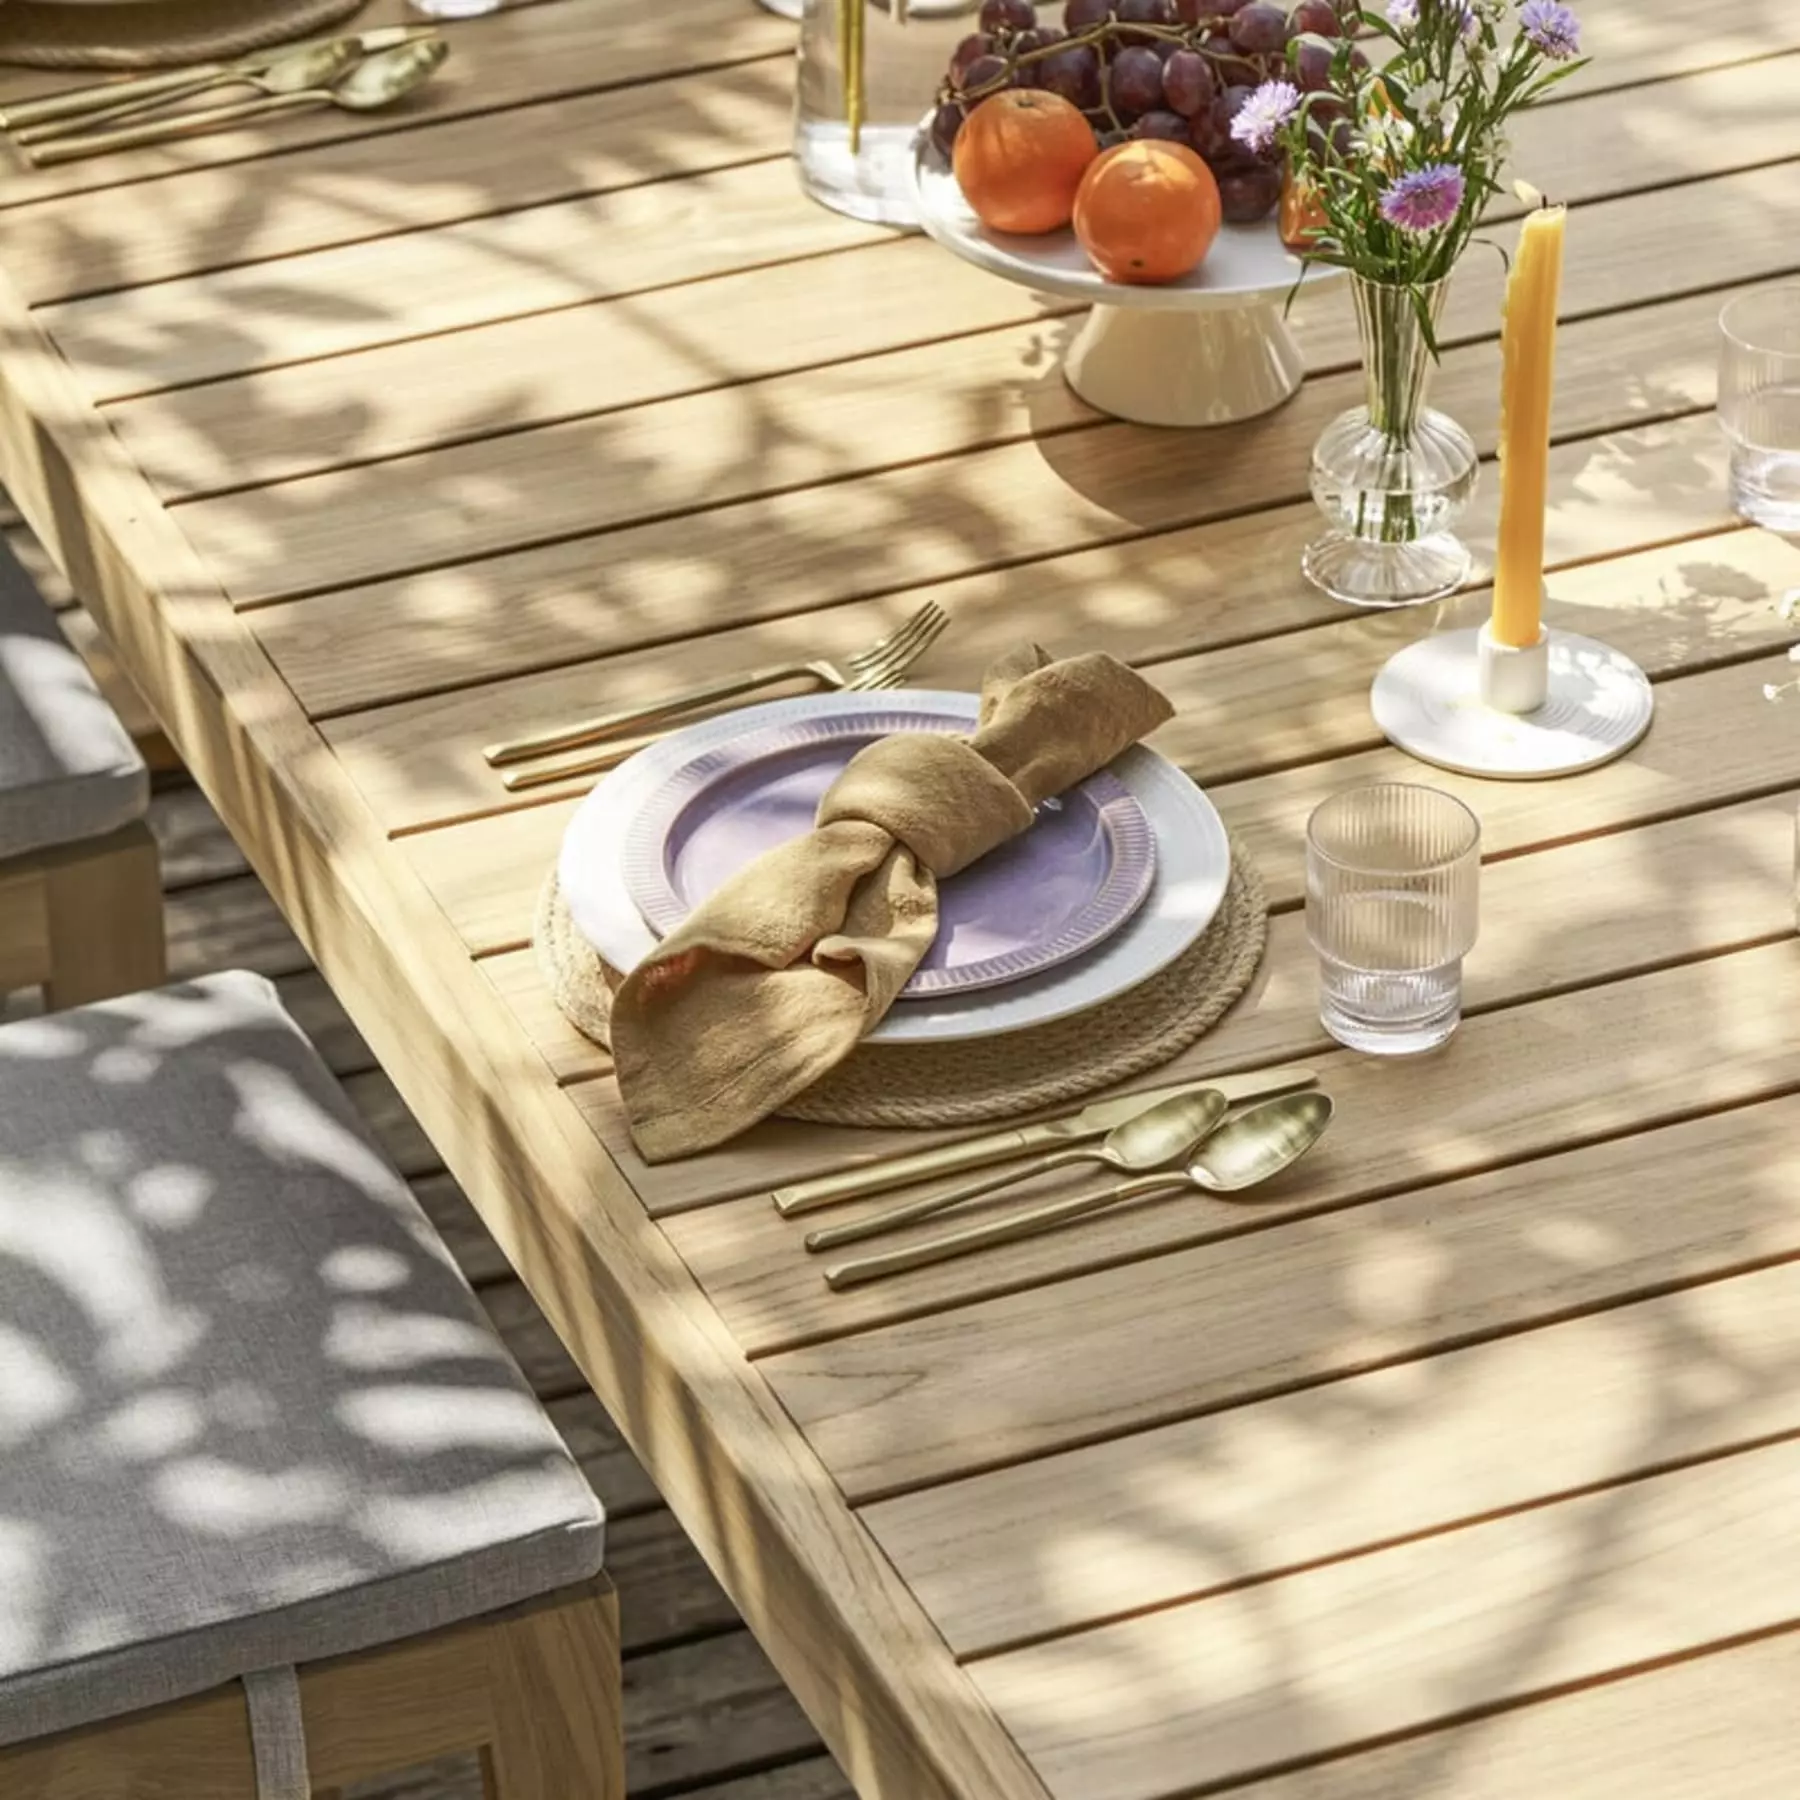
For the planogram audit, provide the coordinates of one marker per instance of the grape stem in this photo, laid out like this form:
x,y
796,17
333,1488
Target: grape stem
x,y
1096,37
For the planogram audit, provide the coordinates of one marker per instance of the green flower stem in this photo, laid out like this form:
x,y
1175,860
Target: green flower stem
x,y
1394,325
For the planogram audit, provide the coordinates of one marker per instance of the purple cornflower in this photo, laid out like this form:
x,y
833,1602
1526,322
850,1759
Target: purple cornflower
x,y
1264,114
1424,200
1552,28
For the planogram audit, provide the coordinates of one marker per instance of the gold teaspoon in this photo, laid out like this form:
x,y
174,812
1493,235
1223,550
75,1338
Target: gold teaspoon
x,y
1163,1134
375,82
1254,1147
315,66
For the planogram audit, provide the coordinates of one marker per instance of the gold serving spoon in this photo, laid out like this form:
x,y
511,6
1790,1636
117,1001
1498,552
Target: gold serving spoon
x,y
375,82
1254,1147
1156,1138
312,66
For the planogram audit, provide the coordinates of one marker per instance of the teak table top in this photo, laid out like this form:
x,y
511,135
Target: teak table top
x,y
1466,1466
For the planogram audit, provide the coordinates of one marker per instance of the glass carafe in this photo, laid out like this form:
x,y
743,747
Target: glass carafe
x,y
906,46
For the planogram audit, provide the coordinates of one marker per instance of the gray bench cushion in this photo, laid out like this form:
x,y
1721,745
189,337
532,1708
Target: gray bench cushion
x,y
250,1413
68,769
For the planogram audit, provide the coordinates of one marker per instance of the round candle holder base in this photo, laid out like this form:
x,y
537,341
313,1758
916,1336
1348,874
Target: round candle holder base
x,y
1428,701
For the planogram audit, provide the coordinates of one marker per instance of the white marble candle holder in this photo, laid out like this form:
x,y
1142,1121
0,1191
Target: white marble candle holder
x,y
1464,701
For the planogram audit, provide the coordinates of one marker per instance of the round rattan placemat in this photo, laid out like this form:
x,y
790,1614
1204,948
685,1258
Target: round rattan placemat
x,y
964,1083
157,37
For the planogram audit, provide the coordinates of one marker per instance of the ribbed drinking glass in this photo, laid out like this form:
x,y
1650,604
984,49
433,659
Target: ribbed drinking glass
x,y
1392,879
1759,404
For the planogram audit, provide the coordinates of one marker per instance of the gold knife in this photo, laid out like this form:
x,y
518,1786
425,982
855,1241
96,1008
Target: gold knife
x,y
72,102
1001,1146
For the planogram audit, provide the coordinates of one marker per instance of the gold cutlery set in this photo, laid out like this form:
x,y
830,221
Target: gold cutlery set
x,y
1168,1138
360,73
883,664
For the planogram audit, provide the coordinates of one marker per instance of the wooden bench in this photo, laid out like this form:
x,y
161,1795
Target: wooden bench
x,y
80,900
277,1511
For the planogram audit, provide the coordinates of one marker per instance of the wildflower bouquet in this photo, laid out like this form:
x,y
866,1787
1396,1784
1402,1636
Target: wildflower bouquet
x,y
1399,161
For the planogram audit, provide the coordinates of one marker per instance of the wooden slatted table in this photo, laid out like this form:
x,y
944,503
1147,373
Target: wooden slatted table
x,y
1464,1467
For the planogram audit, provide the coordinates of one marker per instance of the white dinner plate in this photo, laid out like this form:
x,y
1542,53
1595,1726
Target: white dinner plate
x,y
1192,869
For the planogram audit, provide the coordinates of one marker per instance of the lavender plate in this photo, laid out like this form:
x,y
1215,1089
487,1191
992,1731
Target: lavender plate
x,y
1082,870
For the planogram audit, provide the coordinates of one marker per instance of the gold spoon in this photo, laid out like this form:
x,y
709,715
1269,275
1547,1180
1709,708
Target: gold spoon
x,y
1159,1136
375,82
1255,1146
313,66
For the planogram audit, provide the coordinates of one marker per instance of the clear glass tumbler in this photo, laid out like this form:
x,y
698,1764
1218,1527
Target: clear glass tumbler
x,y
1759,403
1392,876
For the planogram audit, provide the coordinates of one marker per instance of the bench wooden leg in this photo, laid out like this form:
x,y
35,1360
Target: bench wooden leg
x,y
24,928
535,1689
558,1725
104,910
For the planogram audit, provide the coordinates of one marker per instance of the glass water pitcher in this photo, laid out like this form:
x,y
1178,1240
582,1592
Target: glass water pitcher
x,y
853,138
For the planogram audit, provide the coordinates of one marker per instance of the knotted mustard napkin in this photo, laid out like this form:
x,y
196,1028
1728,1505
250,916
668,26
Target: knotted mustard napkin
x,y
776,977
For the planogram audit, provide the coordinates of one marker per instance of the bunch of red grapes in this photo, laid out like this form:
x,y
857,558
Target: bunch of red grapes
x,y
1174,69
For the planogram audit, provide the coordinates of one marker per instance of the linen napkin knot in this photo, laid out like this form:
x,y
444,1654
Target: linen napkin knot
x,y
774,978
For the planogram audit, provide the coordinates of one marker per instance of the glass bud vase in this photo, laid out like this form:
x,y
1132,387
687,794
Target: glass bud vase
x,y
904,50
1392,476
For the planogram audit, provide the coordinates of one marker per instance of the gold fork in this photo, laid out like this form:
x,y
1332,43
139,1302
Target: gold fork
x,y
882,664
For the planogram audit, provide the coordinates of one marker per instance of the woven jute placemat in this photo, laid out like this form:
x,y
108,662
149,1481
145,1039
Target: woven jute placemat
x,y
157,36
964,1083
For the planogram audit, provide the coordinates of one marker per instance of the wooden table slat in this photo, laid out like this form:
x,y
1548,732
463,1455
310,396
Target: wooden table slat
x,y
896,1408
486,873
532,50
575,600
1007,503
755,320
375,186
1157,1515
486,268
1720,1724
1704,600
1409,1636
468,503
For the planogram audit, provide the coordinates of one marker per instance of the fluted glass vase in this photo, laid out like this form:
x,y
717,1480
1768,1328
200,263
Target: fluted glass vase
x,y
1393,475
869,71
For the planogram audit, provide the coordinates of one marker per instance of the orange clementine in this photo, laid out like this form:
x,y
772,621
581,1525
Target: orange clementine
x,y
1302,216
1147,211
1020,157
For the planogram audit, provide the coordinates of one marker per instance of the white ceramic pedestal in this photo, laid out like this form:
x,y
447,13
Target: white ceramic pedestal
x,y
1182,367
1596,703
1209,349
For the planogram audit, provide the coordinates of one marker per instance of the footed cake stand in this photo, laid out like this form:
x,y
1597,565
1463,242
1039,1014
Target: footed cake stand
x,y
1209,349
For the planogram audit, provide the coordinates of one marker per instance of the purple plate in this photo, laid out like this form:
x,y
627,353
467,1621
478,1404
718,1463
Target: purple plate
x,y
1047,896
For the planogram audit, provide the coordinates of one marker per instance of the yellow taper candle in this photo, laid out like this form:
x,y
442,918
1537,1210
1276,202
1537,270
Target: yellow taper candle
x,y
1528,357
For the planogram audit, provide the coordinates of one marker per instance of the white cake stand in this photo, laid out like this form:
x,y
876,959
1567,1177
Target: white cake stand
x,y
1209,349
